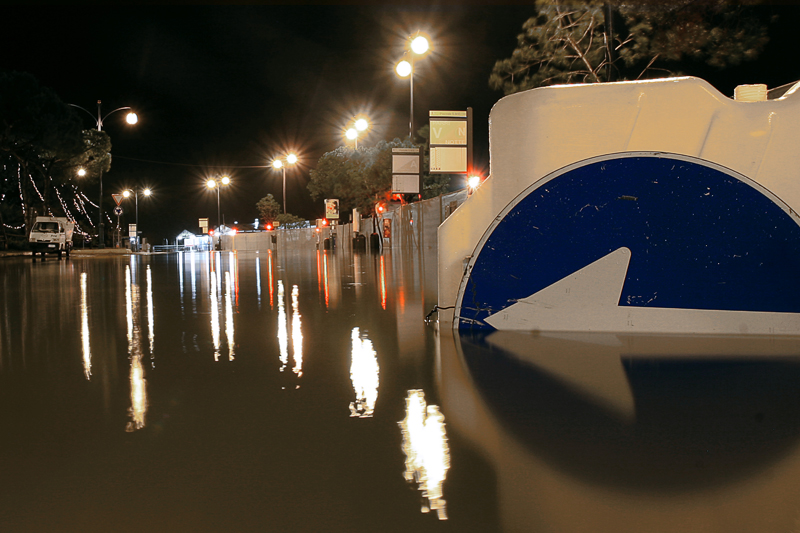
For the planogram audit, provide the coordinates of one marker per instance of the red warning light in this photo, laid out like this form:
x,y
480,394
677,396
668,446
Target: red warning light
x,y
269,227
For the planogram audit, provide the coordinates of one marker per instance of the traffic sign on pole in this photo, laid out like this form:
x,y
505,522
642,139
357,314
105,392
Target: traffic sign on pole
x,y
117,198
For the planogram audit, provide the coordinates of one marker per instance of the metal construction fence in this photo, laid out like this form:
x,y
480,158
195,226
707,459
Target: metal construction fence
x,y
406,227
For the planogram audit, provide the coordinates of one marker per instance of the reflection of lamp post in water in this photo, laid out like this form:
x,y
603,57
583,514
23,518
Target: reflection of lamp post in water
x,y
130,118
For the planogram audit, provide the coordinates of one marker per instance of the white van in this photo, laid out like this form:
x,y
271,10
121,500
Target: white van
x,y
51,235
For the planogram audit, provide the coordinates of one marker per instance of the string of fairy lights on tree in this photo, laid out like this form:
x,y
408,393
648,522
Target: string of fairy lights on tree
x,y
72,200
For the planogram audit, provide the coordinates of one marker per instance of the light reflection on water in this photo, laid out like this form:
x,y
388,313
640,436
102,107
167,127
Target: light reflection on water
x,y
426,449
138,408
258,281
85,344
297,333
283,333
383,284
325,278
364,374
150,313
215,332
229,328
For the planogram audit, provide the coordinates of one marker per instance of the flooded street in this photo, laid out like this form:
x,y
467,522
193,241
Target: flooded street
x,y
222,391
303,391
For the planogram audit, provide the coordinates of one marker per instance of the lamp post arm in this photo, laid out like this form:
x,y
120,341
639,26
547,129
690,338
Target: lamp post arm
x,y
97,119
109,113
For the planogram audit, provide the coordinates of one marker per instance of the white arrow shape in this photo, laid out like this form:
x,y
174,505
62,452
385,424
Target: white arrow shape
x,y
588,300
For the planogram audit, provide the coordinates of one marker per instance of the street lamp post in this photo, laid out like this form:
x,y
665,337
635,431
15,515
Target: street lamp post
x,y
280,164
419,46
127,194
213,184
130,118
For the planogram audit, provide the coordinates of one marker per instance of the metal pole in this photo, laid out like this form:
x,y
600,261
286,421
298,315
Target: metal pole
x,y
218,216
100,233
411,117
284,189
136,196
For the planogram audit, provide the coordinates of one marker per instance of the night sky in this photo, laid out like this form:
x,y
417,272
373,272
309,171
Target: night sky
x,y
225,89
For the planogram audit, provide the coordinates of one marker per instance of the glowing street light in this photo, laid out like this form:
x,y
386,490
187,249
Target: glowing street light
x,y
217,184
418,47
130,118
127,194
281,164
360,126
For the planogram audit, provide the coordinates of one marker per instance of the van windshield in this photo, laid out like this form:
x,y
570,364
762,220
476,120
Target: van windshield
x,y
51,227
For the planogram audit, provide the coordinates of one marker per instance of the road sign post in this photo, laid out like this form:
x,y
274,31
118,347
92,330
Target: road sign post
x,y
406,171
451,142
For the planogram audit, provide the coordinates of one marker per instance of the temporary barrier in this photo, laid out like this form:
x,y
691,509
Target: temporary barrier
x,y
641,207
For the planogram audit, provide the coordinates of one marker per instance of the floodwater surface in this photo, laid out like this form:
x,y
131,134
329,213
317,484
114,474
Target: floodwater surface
x,y
303,390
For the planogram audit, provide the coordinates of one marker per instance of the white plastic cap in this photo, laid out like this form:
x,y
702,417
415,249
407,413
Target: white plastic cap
x,y
750,93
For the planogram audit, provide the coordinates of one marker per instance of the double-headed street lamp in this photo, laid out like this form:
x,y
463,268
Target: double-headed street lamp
x,y
127,194
359,127
281,164
130,118
418,47
217,184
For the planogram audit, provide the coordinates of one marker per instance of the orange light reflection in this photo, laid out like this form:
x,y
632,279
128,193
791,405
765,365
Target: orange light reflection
x,y
383,284
325,270
271,290
319,273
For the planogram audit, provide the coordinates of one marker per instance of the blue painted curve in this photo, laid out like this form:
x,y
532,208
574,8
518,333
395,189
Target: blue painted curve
x,y
701,237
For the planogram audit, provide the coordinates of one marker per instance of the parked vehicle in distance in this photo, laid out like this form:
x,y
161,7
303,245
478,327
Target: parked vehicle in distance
x,y
51,235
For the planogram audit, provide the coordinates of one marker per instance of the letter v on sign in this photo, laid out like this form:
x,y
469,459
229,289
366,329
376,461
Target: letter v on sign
x,y
588,300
